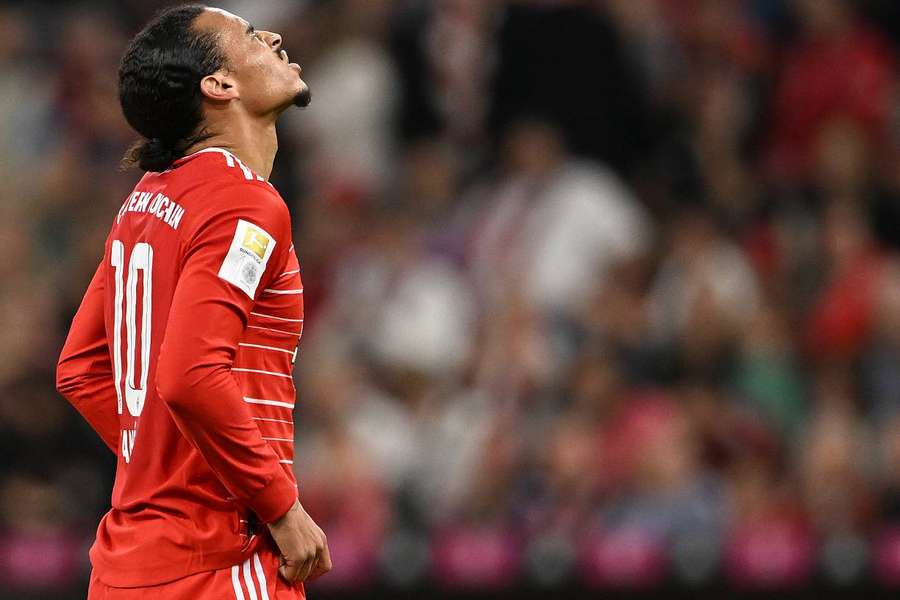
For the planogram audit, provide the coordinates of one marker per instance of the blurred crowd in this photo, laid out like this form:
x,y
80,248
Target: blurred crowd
x,y
597,290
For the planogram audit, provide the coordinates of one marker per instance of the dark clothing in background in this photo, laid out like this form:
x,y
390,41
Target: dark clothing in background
x,y
566,64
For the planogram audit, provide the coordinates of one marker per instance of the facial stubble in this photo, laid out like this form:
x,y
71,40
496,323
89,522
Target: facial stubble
x,y
303,97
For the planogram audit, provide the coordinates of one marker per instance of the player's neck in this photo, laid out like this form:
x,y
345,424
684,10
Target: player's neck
x,y
254,142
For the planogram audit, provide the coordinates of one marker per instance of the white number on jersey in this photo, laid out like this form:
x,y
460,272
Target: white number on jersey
x,y
134,393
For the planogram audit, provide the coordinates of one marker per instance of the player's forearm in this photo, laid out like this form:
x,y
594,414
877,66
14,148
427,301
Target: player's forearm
x,y
84,371
105,425
208,408
88,386
92,401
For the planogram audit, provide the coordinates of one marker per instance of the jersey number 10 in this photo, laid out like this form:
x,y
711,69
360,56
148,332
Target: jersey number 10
x,y
141,259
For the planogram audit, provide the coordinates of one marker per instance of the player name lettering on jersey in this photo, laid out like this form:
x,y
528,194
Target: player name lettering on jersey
x,y
158,205
127,438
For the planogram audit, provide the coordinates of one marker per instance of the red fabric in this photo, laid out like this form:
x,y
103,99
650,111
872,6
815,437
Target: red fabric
x,y
841,317
211,585
848,77
204,460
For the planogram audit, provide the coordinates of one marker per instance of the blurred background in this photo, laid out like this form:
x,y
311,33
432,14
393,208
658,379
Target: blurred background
x,y
601,295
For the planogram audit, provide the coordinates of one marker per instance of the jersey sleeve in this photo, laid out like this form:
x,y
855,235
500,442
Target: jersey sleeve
x,y
227,263
84,373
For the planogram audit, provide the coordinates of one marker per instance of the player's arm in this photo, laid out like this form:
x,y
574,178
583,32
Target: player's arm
x,y
209,312
84,373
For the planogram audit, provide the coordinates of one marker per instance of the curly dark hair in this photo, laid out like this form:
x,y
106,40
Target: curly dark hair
x,y
159,86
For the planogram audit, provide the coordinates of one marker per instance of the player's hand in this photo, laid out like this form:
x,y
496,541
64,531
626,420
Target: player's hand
x,y
304,549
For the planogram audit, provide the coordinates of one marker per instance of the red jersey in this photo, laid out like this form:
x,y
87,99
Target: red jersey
x,y
180,356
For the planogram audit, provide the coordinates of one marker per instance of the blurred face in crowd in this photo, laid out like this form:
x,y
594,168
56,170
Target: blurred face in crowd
x,y
534,148
823,17
259,72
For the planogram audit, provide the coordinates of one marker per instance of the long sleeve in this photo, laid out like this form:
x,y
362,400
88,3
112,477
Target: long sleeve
x,y
84,373
231,257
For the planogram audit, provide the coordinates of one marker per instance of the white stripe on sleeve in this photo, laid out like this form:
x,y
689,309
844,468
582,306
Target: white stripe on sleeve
x,y
238,592
261,576
258,314
261,347
268,402
248,579
274,420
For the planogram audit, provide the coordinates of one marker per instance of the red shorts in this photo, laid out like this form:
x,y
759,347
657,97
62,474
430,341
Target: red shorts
x,y
256,579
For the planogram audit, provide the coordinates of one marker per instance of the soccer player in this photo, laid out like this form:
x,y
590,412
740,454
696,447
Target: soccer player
x,y
180,355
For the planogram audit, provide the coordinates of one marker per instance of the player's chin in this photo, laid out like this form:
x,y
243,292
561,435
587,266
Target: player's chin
x,y
303,96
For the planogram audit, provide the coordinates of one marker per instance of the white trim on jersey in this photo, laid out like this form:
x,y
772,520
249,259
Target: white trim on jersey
x,y
248,175
248,579
285,461
261,347
271,439
269,402
291,423
205,150
238,592
295,292
276,318
261,576
230,160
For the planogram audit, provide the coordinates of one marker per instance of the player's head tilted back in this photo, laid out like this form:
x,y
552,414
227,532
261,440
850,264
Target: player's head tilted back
x,y
193,72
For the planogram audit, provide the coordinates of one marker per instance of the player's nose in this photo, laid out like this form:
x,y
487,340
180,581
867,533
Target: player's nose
x,y
272,39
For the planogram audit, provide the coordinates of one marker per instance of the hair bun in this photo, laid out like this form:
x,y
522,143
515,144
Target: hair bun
x,y
154,154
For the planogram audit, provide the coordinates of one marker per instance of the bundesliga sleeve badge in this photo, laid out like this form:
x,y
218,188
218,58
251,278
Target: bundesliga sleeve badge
x,y
247,256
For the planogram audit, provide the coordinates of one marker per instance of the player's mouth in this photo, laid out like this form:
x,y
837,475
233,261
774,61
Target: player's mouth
x,y
284,57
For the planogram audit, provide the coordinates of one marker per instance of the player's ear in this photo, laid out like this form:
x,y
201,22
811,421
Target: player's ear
x,y
219,86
